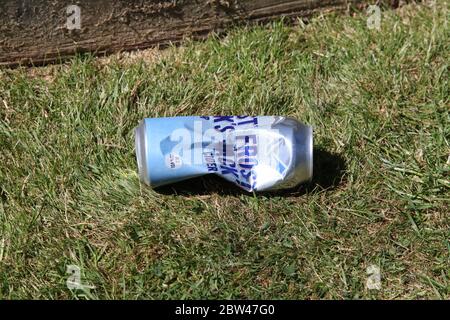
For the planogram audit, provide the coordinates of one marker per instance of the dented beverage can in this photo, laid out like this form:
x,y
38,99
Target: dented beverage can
x,y
257,153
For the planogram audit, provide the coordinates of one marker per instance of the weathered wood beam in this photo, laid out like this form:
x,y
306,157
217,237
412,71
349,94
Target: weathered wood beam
x,y
44,31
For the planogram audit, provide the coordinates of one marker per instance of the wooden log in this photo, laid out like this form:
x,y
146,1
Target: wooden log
x,y
43,31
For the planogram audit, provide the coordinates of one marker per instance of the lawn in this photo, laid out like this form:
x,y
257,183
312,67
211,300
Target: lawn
x,y
378,100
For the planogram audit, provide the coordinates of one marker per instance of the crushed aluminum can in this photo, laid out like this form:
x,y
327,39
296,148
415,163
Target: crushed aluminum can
x,y
257,153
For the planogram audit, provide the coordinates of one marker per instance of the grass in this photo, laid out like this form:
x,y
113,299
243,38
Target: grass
x,y
379,104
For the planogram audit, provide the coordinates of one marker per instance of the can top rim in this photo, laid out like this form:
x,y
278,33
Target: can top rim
x,y
140,142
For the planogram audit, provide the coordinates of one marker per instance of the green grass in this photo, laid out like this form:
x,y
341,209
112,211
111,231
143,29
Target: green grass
x,y
379,104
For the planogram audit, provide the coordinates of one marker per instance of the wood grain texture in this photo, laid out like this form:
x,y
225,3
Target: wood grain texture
x,y
35,32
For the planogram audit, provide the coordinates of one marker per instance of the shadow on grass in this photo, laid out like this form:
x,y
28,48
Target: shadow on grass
x,y
329,169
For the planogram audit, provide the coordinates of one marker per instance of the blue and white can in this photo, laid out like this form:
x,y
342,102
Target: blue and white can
x,y
256,153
